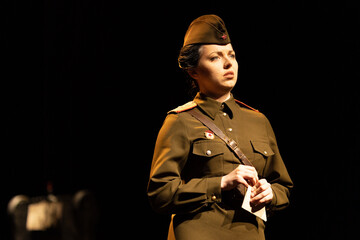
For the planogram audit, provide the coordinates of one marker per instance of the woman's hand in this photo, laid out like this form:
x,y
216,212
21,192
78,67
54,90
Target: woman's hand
x,y
246,175
261,194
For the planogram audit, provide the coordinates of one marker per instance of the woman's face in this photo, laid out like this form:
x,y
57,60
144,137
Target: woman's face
x,y
217,70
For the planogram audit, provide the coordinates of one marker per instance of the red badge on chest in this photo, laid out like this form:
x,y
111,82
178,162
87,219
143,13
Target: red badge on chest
x,y
209,134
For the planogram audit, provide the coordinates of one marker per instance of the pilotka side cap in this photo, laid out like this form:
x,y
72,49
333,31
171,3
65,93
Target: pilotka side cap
x,y
207,29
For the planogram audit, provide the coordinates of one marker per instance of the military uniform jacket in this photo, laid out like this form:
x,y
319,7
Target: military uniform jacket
x,y
189,162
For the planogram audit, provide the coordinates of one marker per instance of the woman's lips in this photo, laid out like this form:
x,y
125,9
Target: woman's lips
x,y
229,74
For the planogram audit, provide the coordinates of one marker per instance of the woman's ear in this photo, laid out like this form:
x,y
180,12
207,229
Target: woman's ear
x,y
193,73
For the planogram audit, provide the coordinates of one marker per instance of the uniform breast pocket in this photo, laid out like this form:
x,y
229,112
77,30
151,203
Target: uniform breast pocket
x,y
262,151
207,157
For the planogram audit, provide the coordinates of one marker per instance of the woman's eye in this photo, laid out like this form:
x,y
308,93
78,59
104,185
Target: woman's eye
x,y
214,58
232,55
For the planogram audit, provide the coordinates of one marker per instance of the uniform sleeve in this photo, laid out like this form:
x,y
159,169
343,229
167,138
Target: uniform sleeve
x,y
167,192
276,174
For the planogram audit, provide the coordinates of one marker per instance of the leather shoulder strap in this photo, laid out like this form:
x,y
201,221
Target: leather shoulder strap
x,y
217,131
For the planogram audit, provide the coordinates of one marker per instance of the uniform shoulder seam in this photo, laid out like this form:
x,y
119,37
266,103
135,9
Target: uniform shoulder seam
x,y
185,107
246,106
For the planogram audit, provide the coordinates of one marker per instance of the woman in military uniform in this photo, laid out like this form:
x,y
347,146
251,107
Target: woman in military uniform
x,y
194,174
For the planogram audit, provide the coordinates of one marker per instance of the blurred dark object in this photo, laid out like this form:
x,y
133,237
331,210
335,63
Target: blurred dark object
x,y
64,217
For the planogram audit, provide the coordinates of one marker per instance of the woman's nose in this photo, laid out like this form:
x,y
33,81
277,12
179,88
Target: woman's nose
x,y
227,63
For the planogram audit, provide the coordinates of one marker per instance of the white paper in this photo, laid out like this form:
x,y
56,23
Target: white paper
x,y
246,205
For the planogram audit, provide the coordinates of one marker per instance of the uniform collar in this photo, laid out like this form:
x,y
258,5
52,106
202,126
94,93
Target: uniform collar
x,y
211,107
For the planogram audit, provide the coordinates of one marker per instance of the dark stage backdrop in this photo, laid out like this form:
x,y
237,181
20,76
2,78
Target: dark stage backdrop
x,y
87,84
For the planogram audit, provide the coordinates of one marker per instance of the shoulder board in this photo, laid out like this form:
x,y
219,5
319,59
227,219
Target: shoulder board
x,y
245,105
185,107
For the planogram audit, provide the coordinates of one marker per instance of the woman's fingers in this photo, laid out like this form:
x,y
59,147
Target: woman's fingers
x,y
246,175
261,193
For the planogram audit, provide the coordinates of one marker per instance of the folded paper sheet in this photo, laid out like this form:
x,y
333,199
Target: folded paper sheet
x,y
246,205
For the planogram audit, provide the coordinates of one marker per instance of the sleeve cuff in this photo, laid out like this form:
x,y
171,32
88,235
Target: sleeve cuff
x,y
214,189
271,206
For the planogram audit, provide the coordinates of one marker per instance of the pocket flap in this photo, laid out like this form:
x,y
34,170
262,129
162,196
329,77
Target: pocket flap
x,y
262,147
208,148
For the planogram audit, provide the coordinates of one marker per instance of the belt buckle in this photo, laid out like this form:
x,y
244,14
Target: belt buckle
x,y
232,144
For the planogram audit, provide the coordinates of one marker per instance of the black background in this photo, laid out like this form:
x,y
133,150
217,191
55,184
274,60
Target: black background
x,y
86,86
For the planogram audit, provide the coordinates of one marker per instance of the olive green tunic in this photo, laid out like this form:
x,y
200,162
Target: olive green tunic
x,y
188,166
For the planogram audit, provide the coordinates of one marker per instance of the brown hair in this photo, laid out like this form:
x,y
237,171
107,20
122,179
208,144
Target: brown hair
x,y
189,58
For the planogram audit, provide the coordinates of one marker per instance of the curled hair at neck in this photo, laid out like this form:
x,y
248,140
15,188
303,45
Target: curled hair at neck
x,y
188,59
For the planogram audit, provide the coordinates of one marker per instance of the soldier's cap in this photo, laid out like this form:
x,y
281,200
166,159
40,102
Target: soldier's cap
x,y
207,29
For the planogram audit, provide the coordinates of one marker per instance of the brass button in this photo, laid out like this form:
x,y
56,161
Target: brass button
x,y
230,129
213,197
265,152
208,152
224,114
